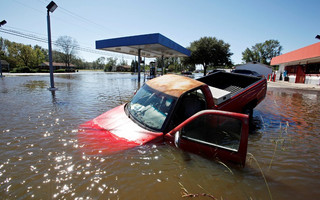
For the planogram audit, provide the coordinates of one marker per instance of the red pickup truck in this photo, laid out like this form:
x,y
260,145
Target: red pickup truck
x,y
202,116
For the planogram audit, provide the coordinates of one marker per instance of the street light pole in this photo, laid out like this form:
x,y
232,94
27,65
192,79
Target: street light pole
x,y
3,22
51,7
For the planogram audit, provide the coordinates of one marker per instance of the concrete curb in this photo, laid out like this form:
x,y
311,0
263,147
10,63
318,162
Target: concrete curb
x,y
285,84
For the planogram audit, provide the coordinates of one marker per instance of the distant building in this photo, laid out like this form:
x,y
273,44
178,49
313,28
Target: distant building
x,y
301,65
261,69
5,66
123,68
56,66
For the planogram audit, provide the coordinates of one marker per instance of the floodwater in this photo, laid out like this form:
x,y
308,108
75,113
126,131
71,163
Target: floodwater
x,y
41,156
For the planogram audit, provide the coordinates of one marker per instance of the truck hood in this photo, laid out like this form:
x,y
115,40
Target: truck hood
x,y
114,131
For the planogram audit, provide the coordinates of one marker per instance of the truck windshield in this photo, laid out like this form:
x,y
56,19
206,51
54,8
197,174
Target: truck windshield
x,y
150,107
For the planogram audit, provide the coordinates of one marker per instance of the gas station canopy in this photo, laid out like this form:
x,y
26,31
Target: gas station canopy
x,y
150,46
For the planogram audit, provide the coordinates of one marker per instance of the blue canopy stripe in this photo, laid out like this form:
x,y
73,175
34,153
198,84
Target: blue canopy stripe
x,y
151,45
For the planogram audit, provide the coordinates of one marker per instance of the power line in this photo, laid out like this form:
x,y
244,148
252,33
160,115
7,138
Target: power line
x,y
19,34
26,5
31,32
73,15
41,37
45,40
85,20
20,29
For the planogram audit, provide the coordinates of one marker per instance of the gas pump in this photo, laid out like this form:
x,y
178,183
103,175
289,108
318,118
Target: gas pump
x,y
152,70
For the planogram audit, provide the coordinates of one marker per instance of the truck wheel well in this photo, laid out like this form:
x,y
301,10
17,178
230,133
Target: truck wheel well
x,y
251,105
248,109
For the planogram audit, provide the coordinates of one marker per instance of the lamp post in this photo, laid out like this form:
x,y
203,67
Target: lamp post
x,y
50,8
3,22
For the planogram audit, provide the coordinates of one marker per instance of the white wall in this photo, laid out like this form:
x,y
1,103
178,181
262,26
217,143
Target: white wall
x,y
292,78
315,80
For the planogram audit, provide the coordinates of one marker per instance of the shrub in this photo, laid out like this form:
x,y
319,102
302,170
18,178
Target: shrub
x,y
70,70
22,70
60,71
44,71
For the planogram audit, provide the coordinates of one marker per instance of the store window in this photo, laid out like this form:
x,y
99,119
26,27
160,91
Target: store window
x,y
313,68
291,69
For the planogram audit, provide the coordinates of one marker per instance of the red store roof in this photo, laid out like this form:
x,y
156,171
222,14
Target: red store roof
x,y
305,54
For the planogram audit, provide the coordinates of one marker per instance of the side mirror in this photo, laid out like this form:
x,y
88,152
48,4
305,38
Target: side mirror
x,y
177,139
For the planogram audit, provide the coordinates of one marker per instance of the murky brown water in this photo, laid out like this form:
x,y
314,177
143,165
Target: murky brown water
x,y
41,157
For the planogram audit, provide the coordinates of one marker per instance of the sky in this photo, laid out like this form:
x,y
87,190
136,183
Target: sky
x,y
240,23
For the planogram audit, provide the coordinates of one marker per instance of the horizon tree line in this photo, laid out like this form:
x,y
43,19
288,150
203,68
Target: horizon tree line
x,y
209,52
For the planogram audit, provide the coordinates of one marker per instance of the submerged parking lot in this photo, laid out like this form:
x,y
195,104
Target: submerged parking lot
x,y
42,156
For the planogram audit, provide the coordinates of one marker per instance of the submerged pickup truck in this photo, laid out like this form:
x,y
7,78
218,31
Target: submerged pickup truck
x,y
208,116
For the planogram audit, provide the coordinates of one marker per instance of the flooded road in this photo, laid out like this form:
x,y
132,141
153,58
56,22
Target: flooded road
x,y
41,156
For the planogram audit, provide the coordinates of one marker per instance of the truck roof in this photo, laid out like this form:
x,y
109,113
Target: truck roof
x,y
173,85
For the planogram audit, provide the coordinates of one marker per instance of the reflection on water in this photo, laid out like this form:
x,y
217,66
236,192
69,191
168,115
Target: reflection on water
x,y
32,85
289,138
41,156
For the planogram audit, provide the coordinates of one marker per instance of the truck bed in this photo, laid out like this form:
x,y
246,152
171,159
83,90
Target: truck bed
x,y
233,83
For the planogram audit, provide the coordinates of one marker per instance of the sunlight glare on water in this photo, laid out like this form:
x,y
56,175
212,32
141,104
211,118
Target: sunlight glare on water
x,y
41,156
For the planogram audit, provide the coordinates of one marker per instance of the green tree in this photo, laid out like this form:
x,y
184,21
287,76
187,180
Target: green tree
x,y
57,56
174,64
134,66
262,52
2,49
68,47
81,64
20,55
38,56
2,46
44,52
123,62
111,62
162,64
25,54
209,51
99,63
12,53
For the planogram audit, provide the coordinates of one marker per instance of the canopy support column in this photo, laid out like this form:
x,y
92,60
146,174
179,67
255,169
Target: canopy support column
x,y
162,63
144,69
139,61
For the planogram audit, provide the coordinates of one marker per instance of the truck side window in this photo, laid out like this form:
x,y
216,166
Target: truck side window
x,y
188,105
191,103
214,131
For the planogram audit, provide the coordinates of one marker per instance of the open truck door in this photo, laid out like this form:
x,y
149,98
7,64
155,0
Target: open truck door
x,y
214,134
